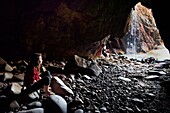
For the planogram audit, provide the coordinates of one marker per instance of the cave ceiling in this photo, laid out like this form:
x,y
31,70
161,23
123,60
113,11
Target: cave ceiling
x,y
60,28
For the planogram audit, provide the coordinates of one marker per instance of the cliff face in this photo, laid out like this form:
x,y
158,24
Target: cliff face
x,y
61,28
142,34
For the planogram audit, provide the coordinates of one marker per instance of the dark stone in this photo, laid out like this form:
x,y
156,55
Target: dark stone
x,y
79,111
35,104
35,110
4,105
55,104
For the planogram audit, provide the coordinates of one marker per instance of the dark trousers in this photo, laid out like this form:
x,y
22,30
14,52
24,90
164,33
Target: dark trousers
x,y
45,80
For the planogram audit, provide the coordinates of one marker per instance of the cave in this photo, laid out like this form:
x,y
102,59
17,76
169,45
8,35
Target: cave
x,y
87,77
64,28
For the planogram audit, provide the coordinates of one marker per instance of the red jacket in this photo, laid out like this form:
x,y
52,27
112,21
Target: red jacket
x,y
31,76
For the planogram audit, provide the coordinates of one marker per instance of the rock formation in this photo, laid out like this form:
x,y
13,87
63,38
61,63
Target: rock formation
x,y
61,28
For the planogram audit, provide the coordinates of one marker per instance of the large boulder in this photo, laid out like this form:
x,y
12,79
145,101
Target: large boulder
x,y
55,104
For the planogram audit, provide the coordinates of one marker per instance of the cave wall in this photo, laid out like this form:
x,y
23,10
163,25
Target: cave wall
x,y
160,12
59,28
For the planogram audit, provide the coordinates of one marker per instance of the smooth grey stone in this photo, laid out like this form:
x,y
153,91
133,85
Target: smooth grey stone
x,y
35,110
14,105
55,104
79,111
35,104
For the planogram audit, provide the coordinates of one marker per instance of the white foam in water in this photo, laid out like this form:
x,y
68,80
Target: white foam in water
x,y
160,54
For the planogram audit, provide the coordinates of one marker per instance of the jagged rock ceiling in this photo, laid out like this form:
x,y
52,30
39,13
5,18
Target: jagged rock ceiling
x,y
60,28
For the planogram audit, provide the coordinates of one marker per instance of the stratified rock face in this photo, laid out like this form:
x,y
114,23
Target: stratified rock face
x,y
64,28
142,34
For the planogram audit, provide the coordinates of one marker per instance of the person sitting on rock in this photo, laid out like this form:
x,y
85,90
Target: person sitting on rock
x,y
36,76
